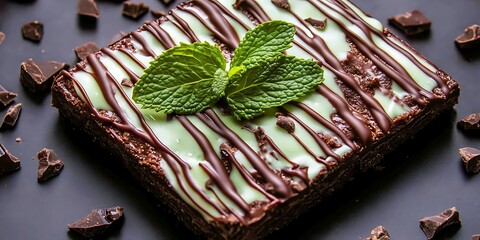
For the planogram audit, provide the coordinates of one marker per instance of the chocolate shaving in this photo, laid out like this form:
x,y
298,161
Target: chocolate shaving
x,y
411,23
86,49
378,233
470,38
158,13
282,4
127,82
2,37
432,225
12,115
38,76
6,97
8,162
471,159
470,123
49,165
286,123
87,8
318,24
96,221
134,10
33,31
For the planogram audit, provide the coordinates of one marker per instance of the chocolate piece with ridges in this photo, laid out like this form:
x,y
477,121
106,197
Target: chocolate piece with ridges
x,y
33,31
11,116
49,165
470,38
8,162
318,24
2,37
471,159
96,221
134,10
38,75
379,233
411,23
86,49
6,97
432,225
87,8
470,123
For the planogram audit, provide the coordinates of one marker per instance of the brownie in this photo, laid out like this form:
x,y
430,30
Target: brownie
x,y
227,179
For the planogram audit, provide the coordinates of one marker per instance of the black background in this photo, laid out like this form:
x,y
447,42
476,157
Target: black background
x,y
422,178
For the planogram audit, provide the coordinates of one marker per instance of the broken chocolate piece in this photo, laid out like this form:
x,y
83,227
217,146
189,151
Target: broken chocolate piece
x,y
127,82
87,8
158,13
470,123
431,226
282,4
470,38
49,165
33,31
286,123
96,221
115,38
318,24
6,97
12,115
86,49
476,237
379,233
38,76
134,10
2,37
471,159
8,162
411,23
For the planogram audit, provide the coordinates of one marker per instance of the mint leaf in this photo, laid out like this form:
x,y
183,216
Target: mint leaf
x,y
271,82
264,41
183,80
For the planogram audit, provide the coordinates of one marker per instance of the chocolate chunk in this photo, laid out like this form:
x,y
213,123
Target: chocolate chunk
x,y
38,76
476,237
96,221
2,37
471,159
281,4
127,82
12,115
411,23
158,13
431,226
470,123
115,38
6,97
86,49
87,8
470,38
286,123
378,233
49,165
134,10
319,24
8,162
33,31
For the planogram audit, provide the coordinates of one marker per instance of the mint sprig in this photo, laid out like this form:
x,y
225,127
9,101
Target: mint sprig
x,y
192,77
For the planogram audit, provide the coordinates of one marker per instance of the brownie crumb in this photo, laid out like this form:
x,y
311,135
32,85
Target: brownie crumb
x,y
470,123
49,165
318,24
2,37
8,162
470,38
87,8
286,123
6,97
157,13
38,76
134,10
96,221
33,31
10,119
379,233
471,159
411,23
432,225
86,49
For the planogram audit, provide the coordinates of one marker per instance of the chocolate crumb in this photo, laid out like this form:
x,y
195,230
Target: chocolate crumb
x,y
134,10
86,49
470,123
471,159
157,13
127,82
18,139
87,8
96,221
10,119
33,31
49,165
378,233
432,225
470,38
318,24
6,97
8,162
286,123
411,23
2,37
38,76
281,4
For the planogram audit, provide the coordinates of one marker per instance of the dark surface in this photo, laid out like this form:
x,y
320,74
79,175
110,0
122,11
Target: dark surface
x,y
423,178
